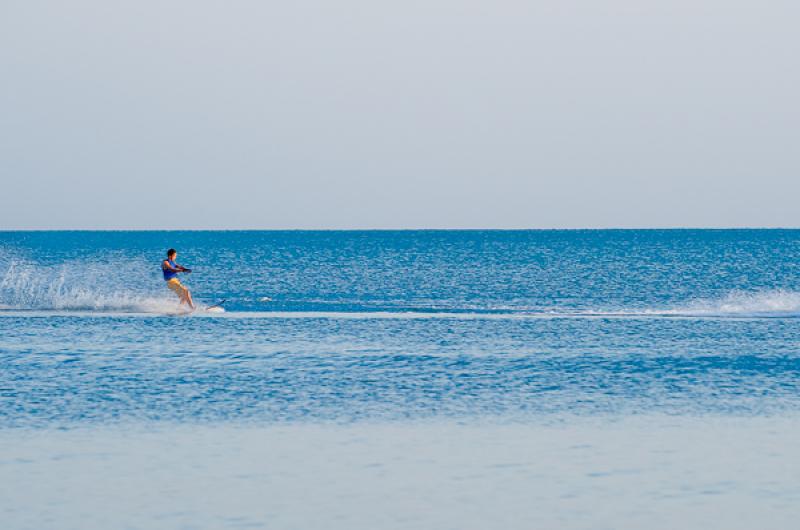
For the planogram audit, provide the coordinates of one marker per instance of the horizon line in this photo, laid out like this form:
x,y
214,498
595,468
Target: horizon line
x,y
549,229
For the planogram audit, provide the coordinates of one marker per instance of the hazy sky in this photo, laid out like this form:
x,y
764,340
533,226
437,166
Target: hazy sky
x,y
376,114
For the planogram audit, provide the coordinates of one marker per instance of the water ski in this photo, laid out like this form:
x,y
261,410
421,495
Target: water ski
x,y
217,308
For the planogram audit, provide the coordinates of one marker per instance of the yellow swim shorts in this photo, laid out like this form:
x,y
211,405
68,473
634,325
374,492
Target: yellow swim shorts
x,y
175,285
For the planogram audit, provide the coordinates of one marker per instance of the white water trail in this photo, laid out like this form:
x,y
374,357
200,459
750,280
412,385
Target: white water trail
x,y
774,302
82,285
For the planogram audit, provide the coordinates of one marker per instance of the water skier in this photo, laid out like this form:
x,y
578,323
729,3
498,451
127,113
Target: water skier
x,y
171,270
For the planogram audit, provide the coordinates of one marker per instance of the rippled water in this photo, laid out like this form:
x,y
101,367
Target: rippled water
x,y
683,271
59,370
350,335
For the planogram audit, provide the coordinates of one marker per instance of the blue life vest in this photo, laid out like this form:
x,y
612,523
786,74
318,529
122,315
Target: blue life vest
x,y
168,274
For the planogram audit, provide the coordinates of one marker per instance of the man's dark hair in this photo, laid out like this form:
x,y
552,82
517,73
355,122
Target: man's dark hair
x,y
171,252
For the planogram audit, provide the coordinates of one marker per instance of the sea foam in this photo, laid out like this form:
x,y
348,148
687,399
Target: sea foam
x,y
79,286
777,302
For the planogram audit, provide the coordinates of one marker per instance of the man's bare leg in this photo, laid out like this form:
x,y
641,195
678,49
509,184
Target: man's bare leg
x,y
188,299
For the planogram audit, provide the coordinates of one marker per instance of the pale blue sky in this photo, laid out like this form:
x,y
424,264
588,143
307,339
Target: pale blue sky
x,y
414,114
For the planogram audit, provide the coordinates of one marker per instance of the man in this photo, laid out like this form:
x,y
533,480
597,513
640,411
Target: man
x,y
171,270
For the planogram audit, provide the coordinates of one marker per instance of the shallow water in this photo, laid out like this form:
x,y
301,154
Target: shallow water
x,y
576,473
574,379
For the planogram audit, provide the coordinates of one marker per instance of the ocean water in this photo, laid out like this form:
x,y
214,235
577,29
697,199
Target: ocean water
x,y
401,379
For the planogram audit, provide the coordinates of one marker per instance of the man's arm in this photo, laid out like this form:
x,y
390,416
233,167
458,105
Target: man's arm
x,y
167,267
177,268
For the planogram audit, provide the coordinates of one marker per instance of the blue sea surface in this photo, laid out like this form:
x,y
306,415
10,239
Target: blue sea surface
x,y
627,358
454,271
388,325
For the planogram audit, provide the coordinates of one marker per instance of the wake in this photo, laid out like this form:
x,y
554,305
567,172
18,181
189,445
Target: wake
x,y
770,303
80,286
